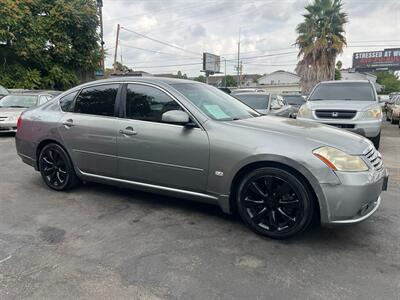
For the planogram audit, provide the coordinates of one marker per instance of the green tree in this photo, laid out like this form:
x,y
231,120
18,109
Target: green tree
x,y
338,74
320,39
48,43
181,76
390,82
200,78
230,81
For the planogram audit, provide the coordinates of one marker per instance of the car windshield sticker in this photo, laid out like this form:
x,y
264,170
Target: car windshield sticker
x,y
216,111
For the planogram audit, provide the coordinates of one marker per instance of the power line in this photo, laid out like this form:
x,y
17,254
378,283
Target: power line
x,y
155,51
158,41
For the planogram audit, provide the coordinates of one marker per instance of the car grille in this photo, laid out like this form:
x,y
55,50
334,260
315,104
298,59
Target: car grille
x,y
335,114
374,158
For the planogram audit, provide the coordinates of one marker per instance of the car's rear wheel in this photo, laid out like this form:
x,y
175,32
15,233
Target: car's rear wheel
x,y
376,141
274,202
56,168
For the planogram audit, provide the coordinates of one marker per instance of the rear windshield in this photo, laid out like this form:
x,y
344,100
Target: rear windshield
x,y
343,91
20,101
294,100
254,101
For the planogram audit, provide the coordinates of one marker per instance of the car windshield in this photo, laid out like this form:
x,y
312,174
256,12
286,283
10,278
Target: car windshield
x,y
254,101
343,91
3,91
19,101
294,100
215,103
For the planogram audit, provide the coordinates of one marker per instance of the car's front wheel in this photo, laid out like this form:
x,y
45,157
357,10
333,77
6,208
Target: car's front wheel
x,y
274,202
56,168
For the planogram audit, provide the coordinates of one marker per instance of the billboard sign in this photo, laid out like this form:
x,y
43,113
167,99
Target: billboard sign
x,y
211,63
388,58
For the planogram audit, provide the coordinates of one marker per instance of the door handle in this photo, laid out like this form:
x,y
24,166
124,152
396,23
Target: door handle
x,y
68,123
128,131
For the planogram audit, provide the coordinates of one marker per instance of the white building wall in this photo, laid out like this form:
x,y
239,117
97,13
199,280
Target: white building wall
x,y
279,77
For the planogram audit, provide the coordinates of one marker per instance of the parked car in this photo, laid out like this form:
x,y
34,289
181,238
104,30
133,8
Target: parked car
x,y
188,139
351,105
3,91
393,110
12,105
266,104
295,101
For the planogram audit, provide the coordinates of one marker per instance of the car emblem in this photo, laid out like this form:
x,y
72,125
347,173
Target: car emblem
x,y
335,114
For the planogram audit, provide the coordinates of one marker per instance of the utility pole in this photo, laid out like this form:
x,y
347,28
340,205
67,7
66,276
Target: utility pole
x,y
225,71
238,59
100,6
116,47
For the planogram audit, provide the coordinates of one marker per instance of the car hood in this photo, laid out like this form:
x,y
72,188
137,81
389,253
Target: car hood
x,y
11,111
320,134
341,104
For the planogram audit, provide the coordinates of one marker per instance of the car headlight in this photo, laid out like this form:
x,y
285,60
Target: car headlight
x,y
340,161
373,113
304,112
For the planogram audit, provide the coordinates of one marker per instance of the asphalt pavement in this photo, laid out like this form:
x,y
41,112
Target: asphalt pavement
x,y
103,242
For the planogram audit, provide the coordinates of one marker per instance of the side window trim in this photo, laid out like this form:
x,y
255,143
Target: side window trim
x,y
123,103
77,91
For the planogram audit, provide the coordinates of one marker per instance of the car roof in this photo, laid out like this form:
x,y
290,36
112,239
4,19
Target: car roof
x,y
25,94
344,81
165,80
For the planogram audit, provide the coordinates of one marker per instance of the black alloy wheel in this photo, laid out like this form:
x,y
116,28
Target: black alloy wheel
x,y
274,202
56,168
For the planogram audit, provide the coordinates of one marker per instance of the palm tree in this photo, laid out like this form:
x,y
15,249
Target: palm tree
x,y
320,39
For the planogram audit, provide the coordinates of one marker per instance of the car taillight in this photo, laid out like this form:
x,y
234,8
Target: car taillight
x,y
19,121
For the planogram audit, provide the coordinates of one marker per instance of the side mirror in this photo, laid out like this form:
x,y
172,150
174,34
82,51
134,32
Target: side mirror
x,y
275,105
175,117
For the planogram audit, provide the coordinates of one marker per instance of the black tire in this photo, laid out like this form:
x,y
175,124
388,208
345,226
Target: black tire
x,y
275,203
392,121
56,168
376,141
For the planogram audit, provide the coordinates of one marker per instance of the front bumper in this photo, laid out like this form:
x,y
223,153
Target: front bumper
x,y
356,198
367,128
8,126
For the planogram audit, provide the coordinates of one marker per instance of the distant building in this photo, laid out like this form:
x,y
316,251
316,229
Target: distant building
x,y
350,74
281,82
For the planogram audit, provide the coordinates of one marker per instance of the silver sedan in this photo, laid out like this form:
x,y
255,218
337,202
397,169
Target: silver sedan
x,y
190,140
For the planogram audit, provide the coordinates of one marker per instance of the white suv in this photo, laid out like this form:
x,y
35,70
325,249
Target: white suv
x,y
351,105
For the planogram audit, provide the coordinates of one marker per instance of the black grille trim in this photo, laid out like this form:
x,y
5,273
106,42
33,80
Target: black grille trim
x,y
335,114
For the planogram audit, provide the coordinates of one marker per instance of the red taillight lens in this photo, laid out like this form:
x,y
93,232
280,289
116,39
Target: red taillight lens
x,y
19,122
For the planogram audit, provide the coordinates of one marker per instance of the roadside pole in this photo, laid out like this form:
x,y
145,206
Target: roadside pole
x,y
116,47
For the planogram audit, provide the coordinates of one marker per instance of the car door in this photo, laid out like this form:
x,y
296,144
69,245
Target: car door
x,y
156,152
89,129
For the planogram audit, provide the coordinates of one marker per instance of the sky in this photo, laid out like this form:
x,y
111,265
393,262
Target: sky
x,y
187,28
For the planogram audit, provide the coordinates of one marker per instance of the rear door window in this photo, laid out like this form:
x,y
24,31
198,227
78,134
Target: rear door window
x,y
67,102
97,100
